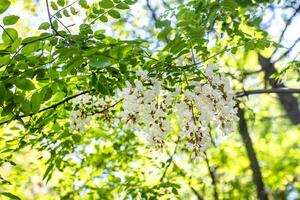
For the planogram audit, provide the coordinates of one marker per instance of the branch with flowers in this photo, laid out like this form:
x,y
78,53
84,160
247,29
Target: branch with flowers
x,y
238,94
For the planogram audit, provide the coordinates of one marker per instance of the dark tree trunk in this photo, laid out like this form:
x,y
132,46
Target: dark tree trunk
x,y
288,101
257,177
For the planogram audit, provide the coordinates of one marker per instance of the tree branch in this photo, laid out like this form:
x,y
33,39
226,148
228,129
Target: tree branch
x,y
153,13
197,194
47,108
268,91
238,94
257,177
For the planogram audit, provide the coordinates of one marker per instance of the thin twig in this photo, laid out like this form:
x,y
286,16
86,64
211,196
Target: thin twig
x,y
197,194
63,8
50,20
212,139
166,4
62,24
7,33
207,59
212,176
107,108
92,22
169,161
252,72
288,22
23,45
153,13
287,51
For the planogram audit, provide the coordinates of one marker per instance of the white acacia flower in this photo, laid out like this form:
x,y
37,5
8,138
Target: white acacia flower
x,y
142,73
139,86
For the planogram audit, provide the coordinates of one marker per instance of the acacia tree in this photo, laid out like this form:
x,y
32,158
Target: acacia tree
x,y
102,110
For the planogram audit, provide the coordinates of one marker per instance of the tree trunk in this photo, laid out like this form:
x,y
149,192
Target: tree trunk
x,y
257,177
288,101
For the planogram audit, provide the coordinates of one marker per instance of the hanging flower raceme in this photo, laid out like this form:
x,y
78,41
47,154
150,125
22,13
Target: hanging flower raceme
x,y
86,109
148,106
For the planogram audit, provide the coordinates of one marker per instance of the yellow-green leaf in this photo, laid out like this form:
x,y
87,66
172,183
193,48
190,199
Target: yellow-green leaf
x,y
10,20
115,14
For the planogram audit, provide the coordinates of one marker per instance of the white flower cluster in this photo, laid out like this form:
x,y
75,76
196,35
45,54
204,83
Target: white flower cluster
x,y
145,109
148,107
85,106
207,104
151,108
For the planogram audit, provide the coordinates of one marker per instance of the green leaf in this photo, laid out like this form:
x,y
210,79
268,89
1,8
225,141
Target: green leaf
x,y
24,84
130,2
58,15
15,45
8,109
26,108
32,39
122,6
10,195
83,4
61,2
35,102
106,4
53,5
103,18
102,85
10,20
28,49
74,63
3,47
115,14
66,13
4,60
73,11
47,93
2,92
230,5
76,138
9,35
55,24
48,172
4,5
44,26
99,61
174,191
